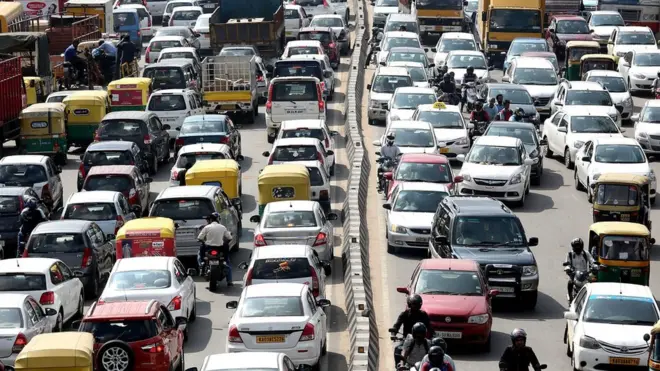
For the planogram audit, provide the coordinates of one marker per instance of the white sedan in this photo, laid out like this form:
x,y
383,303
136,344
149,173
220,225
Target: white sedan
x,y
192,153
640,68
411,137
405,101
279,317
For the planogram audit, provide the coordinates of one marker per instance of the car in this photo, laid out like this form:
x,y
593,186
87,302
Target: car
x,y
609,319
191,153
602,23
202,29
310,129
173,4
59,96
35,171
146,21
301,149
383,84
319,183
647,130
112,152
585,93
327,38
210,129
159,42
162,278
457,299
617,87
411,136
339,27
499,167
307,103
449,127
527,133
317,7
253,360
408,54
629,38
458,61
50,280
295,18
640,68
538,76
240,50
471,8
611,155
121,178
178,73
516,94
521,45
418,73
12,203
317,232
108,209
301,265
395,21
302,47
405,101
265,312
422,167
188,53
550,56
410,209
191,36
565,28
466,228
452,41
185,16
566,131
316,65
396,39
383,8
172,106
189,206
149,334
142,128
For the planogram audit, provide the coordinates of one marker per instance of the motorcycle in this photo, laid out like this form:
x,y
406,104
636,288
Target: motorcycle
x,y
579,278
503,367
451,99
471,97
398,359
386,165
214,268
480,127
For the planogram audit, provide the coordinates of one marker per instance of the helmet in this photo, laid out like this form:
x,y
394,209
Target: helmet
x,y
390,137
439,342
479,104
577,244
31,203
470,69
436,355
419,330
414,302
517,334
520,111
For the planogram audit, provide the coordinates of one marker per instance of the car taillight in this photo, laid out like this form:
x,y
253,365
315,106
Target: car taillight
x,y
178,142
234,336
319,93
269,103
139,34
146,55
321,238
132,196
47,298
224,140
87,258
324,195
315,282
119,224
259,240
331,46
175,304
248,278
148,139
260,78
45,193
320,158
308,333
81,171
158,347
322,85
97,137
20,342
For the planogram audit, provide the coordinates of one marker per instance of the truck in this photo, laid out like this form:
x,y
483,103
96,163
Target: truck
x,y
436,17
87,8
561,7
64,28
501,21
229,86
260,24
33,50
635,12
13,98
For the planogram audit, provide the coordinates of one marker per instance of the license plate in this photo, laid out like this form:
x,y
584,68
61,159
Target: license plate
x,y
624,361
450,334
625,218
294,112
444,150
292,243
209,6
270,339
214,262
503,289
422,239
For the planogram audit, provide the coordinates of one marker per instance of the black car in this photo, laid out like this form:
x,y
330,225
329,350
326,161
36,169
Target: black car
x,y
485,230
527,133
12,202
80,244
141,128
210,129
112,152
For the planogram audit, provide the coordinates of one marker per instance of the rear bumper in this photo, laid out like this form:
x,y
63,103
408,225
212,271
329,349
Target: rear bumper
x,y
9,361
301,354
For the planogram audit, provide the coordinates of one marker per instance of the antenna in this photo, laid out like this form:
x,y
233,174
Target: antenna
x,y
17,265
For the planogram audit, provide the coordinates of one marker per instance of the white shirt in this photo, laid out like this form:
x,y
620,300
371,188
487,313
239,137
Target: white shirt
x,y
214,234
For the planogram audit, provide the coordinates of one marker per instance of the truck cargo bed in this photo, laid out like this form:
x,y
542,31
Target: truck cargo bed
x,y
12,97
63,29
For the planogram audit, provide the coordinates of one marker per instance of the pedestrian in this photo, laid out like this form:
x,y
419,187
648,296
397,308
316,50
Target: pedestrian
x,y
126,52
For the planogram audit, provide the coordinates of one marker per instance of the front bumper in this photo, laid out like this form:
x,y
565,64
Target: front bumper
x,y
507,192
414,238
469,333
598,359
451,150
637,84
304,353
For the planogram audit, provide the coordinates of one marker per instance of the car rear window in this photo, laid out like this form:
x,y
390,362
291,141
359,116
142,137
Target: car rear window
x,y
167,103
56,243
291,14
124,19
171,6
96,211
295,153
22,282
183,208
315,177
117,183
157,46
191,158
10,318
22,175
206,126
273,306
281,269
141,280
99,158
304,133
165,76
323,37
122,128
127,331
175,55
174,31
287,91
186,15
290,219
10,204
289,69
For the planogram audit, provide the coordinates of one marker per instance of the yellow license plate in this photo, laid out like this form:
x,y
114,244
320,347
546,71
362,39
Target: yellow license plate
x,y
270,339
439,28
228,107
444,150
624,361
625,217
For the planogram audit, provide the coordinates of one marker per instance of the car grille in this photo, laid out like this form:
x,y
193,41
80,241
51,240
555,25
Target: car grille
x,y
420,231
656,137
541,101
417,244
634,350
442,318
383,105
483,193
500,273
490,182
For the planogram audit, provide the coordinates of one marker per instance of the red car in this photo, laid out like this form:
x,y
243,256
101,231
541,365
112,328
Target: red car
x,y
144,331
457,299
565,28
327,37
422,167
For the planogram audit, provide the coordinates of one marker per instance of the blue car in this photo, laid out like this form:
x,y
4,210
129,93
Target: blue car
x,y
127,22
522,45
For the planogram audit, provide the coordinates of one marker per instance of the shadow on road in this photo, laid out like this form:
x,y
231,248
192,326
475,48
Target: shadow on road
x,y
536,203
547,308
550,181
498,341
201,331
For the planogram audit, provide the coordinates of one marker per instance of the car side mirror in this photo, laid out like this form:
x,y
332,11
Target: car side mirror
x,y
243,265
440,240
384,64
191,271
586,158
543,142
323,303
50,312
562,130
528,161
431,65
434,50
327,74
192,369
552,31
368,86
255,219
167,127
571,316
74,325
388,175
332,216
493,293
533,241
470,125
490,68
265,153
148,180
232,304
483,17
330,152
376,48
403,290
58,169
387,206
181,323
635,117
82,155
458,179
57,214
377,153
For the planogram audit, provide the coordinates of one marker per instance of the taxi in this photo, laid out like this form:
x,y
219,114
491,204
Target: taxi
x,y
450,129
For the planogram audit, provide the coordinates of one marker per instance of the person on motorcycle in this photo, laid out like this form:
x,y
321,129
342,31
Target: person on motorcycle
x,y
518,356
415,345
435,359
506,112
30,217
389,149
439,342
376,36
656,85
479,114
491,108
411,316
518,115
578,259
215,236
447,86
468,77
71,56
499,98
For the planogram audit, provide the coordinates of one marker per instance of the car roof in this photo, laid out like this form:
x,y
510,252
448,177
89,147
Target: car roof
x,y
170,62
304,123
128,115
429,107
424,158
423,186
619,289
414,89
407,49
585,85
110,145
457,35
62,226
401,17
316,29
281,251
533,62
197,118
568,17
604,73
328,16
497,141
120,310
449,264
292,6
303,43
122,9
12,300
296,141
168,37
205,147
615,140
478,205
304,57
133,6
652,51
499,85
297,205
394,71
187,8
13,191
634,29
605,12
514,125
30,265
529,40
274,289
144,263
24,159
409,124
187,191
539,54
404,34
93,196
112,169
236,361
170,91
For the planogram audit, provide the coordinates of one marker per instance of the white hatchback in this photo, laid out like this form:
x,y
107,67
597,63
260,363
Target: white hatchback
x,y
302,47
411,136
158,43
451,130
185,16
173,4
202,28
191,153
172,106
405,101
300,149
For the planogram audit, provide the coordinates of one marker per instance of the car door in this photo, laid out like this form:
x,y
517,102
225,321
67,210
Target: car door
x,y
54,182
560,137
169,333
582,167
182,290
625,64
42,324
576,306
141,188
234,137
321,318
156,129
549,129
611,43
62,286
327,226
187,285
228,213
104,253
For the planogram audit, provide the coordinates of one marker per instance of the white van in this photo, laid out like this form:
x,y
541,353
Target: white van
x,y
185,16
300,97
172,106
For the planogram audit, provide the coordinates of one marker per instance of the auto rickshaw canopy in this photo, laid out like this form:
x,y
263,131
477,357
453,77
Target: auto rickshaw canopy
x,y
44,110
622,178
210,169
58,350
139,82
87,98
290,173
582,44
166,227
620,229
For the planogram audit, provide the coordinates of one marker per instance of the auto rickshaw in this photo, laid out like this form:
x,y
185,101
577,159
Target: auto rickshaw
x,y
43,131
283,182
85,111
622,251
152,236
129,94
57,351
35,89
621,197
574,52
654,348
590,62
221,173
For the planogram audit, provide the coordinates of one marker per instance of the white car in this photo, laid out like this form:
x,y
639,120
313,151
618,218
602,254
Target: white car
x,y
585,93
640,68
452,41
647,127
602,23
300,149
607,321
458,62
411,137
50,280
611,155
172,106
35,171
538,76
319,184
270,361
146,22
417,73
617,87
566,131
408,54
191,153
304,47
108,209
279,317
184,52
158,43
185,16
383,8
499,167
162,278
396,39
173,4
384,81
317,7
295,18
293,97
451,130
409,216
309,129
405,101
629,38
202,28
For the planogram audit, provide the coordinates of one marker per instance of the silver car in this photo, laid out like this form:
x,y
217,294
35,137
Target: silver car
x,y
339,27
294,223
108,209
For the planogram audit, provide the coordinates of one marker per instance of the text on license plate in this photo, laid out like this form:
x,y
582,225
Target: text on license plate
x,y
444,150
625,217
450,335
270,339
624,361
214,262
209,6
294,111
422,239
503,289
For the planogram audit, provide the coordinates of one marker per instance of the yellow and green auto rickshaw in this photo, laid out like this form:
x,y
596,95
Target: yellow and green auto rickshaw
x,y
35,89
654,347
43,131
590,62
85,111
129,94
574,52
621,197
222,173
622,251
57,351
283,182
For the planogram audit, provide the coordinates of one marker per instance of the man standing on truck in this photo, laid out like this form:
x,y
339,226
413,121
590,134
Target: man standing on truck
x,y
126,51
71,56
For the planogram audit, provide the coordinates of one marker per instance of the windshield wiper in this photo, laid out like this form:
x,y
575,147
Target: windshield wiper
x,y
508,243
438,292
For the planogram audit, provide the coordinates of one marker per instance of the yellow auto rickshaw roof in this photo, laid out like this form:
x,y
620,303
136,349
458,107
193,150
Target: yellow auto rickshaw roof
x,y
582,44
141,82
656,328
165,225
213,165
57,350
620,229
623,178
599,56
288,173
45,108
87,98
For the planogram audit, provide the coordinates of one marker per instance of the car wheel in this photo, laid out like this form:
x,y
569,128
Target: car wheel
x,y
153,169
182,363
81,306
324,349
548,152
521,202
567,159
529,300
193,314
59,322
94,289
590,197
332,169
116,355
486,346
536,180
578,185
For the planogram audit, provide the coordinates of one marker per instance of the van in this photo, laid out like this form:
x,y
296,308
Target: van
x,y
172,106
300,96
145,18
172,74
328,72
309,67
185,16
395,21
127,21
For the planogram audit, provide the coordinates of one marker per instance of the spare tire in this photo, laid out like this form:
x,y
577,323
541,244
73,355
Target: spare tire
x,y
115,355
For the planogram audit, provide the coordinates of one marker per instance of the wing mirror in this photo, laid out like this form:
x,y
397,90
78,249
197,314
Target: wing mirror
x,y
327,268
332,216
265,153
232,304
181,323
387,206
82,155
50,312
533,241
255,219
635,117
323,303
440,240
586,159
403,290
243,265
571,316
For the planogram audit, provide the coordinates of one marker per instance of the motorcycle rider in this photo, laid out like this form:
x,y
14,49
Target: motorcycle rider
x,y
415,345
656,84
506,112
436,359
479,114
440,342
411,316
71,56
578,259
126,51
376,36
468,77
447,86
518,115
518,356
390,151
215,236
491,108
30,217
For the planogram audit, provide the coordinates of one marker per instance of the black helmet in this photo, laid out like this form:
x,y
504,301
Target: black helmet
x,y
419,330
470,69
439,342
479,104
415,302
436,355
518,333
577,244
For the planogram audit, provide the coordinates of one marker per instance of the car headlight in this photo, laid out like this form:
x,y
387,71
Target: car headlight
x,y
589,343
461,141
534,154
642,135
638,76
479,319
516,179
596,176
398,229
578,144
466,177
530,270
628,102
652,175
614,116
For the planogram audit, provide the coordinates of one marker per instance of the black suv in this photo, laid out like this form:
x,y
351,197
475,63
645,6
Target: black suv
x,y
485,230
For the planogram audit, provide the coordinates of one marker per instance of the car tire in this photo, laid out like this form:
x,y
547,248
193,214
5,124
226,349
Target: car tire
x,y
240,229
486,346
80,313
324,348
529,299
578,185
59,322
548,151
94,288
567,159
250,116
521,202
115,355
153,167
332,168
536,181
193,315
392,249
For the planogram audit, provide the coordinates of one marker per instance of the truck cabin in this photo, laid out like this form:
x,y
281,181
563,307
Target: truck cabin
x,y
511,20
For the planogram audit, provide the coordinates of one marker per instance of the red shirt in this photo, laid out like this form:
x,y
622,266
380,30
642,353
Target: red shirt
x,y
427,367
481,116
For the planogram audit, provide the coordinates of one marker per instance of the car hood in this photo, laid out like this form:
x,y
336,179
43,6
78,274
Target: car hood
x,y
600,168
417,149
604,31
621,335
439,58
584,137
494,172
459,72
453,305
411,219
386,9
629,48
650,72
570,37
401,114
446,135
498,255
541,91
380,97
647,127
603,110
421,84
619,98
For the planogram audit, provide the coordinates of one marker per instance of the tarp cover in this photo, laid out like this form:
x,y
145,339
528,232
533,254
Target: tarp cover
x,y
21,42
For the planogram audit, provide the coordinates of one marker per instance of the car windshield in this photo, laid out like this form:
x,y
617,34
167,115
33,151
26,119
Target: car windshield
x,y
448,282
488,231
534,76
10,204
396,25
418,74
624,248
186,15
315,177
165,76
620,310
617,194
593,124
636,38
295,153
203,22
11,318
22,175
415,201
472,6
124,19
607,20
449,45
647,59
140,280
183,208
287,68
387,3
174,31
93,211
588,98
273,306
303,50
649,114
465,61
388,84
424,172
515,20
296,91
412,100
613,84
281,269
517,48
573,27
494,155
158,45
441,119
396,42
56,243
397,56
290,219
99,158
204,126
304,133
619,154
171,6
191,158
176,55
327,22
414,137
123,330
527,136
167,103
117,183
22,282
237,52
122,128
517,96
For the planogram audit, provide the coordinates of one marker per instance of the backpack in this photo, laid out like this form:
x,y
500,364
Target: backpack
x,y
427,346
571,253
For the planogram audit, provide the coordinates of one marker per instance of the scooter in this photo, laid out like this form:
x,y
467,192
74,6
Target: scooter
x,y
580,278
471,97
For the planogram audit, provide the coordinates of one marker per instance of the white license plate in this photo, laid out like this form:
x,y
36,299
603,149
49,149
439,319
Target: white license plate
x,y
294,112
214,262
209,6
422,239
293,243
450,334
503,289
